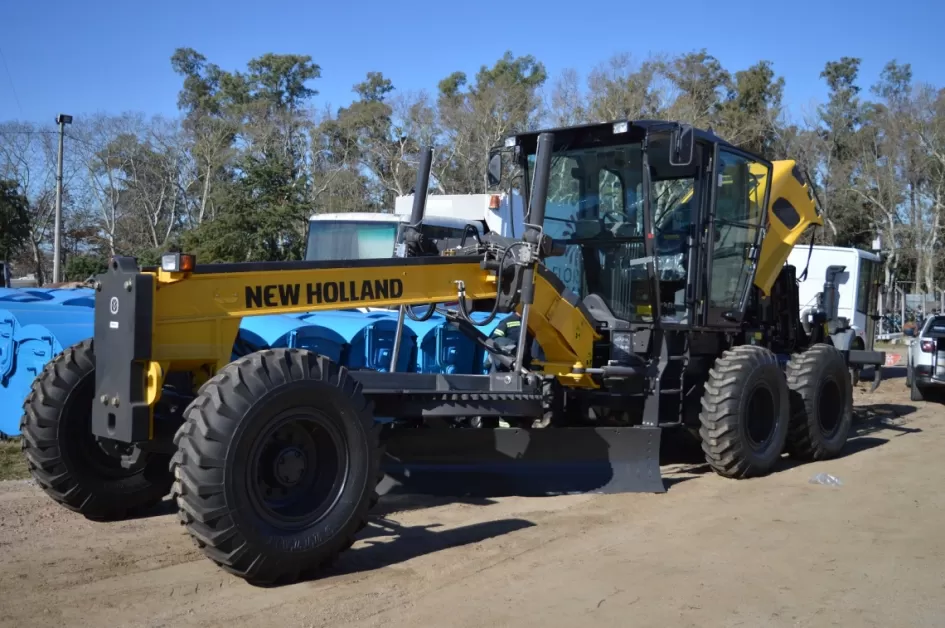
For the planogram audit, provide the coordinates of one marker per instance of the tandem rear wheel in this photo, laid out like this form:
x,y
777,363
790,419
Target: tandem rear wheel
x,y
753,412
277,464
99,478
745,413
821,403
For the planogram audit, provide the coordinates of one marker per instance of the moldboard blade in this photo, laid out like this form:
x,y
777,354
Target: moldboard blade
x,y
508,461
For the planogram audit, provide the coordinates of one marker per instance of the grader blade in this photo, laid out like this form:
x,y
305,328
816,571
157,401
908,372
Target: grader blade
x,y
502,462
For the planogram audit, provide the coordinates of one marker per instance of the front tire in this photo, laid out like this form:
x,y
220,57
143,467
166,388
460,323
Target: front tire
x,y
99,478
821,403
744,418
277,464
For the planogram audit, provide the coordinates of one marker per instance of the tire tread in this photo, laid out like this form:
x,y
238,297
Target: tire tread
x,y
210,421
40,425
720,423
804,440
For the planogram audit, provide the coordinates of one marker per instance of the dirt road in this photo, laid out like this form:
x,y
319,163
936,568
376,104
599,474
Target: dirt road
x,y
776,551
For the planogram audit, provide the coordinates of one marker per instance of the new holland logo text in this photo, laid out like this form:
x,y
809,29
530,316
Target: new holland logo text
x,y
276,295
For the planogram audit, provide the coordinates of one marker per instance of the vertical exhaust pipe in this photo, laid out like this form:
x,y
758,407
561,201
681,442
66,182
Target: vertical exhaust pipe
x,y
412,237
421,187
533,231
539,195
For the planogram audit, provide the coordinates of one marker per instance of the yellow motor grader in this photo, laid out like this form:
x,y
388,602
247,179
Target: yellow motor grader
x,y
681,312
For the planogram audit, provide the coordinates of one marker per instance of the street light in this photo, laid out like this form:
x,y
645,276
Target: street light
x,y
62,120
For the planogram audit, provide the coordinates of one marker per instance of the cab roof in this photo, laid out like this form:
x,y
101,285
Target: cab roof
x,y
602,133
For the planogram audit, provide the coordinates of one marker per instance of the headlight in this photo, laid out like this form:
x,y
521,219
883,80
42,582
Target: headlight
x,y
177,263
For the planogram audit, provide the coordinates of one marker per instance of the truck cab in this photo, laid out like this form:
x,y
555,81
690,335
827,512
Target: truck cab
x,y
857,277
372,235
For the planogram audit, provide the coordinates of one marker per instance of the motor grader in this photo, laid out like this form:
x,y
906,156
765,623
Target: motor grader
x,y
684,315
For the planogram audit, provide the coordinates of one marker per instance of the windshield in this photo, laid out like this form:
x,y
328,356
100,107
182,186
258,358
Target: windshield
x,y
349,240
595,208
362,239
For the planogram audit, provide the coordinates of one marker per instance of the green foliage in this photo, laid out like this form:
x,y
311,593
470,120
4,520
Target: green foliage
x,y
152,256
752,106
280,80
81,267
473,117
264,219
14,219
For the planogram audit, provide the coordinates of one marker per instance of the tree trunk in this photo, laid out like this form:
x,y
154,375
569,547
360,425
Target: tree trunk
x,y
38,262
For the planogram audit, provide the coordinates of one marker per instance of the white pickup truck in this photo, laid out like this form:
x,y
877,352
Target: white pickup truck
x,y
925,362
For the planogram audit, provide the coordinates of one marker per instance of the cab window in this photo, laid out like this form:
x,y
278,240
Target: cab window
x,y
864,284
739,215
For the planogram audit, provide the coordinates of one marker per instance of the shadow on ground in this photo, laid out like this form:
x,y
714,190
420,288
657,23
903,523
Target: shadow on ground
x,y
166,506
893,372
397,503
876,417
683,454
388,542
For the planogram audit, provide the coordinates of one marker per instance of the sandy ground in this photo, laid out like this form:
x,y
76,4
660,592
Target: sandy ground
x,y
776,551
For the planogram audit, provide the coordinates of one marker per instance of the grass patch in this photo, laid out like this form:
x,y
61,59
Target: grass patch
x,y
12,462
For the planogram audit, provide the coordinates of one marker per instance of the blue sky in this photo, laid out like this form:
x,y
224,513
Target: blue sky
x,y
105,55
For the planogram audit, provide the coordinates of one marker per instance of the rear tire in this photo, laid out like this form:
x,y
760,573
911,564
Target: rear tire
x,y
84,473
821,403
277,465
744,418
916,392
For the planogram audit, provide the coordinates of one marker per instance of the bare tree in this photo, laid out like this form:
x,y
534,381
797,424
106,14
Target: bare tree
x,y
28,156
621,88
567,104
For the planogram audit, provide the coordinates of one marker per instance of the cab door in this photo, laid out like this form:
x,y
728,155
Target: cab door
x,y
735,232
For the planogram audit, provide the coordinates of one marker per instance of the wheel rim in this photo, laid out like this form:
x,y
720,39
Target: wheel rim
x,y
830,408
298,469
761,417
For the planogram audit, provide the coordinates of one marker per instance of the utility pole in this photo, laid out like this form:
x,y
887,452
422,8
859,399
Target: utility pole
x,y
62,120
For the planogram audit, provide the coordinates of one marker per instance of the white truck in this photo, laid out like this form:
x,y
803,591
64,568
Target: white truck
x,y
366,235
856,285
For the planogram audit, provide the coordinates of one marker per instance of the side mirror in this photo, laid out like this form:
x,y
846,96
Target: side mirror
x,y
681,146
494,170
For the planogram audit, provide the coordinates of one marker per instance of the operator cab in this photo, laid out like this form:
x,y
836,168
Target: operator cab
x,y
658,221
